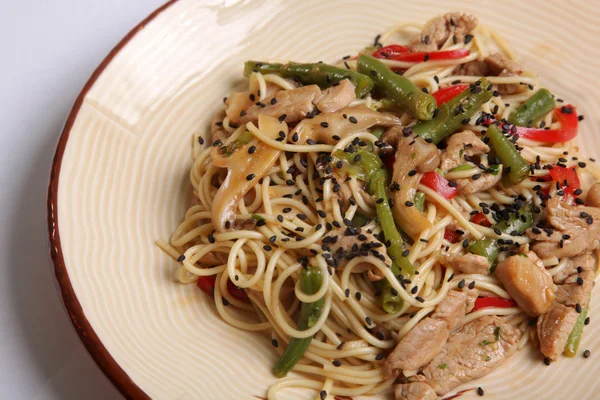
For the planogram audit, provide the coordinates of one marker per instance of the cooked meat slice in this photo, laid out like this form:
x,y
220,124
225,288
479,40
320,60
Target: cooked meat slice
x,y
461,144
336,97
345,192
347,247
438,30
414,391
420,345
453,307
500,65
468,263
413,155
464,145
324,127
472,68
575,287
593,196
585,261
471,352
428,336
576,230
469,185
294,104
527,282
554,328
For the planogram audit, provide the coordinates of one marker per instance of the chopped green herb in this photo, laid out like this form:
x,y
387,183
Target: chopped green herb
x,y
257,217
443,366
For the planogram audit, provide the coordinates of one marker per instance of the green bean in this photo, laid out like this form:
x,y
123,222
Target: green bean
x,y
575,336
419,201
378,131
518,222
516,169
538,105
360,220
487,248
455,113
262,67
404,93
310,283
320,74
378,178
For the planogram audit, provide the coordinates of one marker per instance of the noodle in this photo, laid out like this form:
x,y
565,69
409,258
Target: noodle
x,y
299,204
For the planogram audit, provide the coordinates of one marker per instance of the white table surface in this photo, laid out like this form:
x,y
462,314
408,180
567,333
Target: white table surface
x,y
49,48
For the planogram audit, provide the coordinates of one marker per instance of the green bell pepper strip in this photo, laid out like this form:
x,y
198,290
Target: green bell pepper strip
x,y
538,105
575,336
516,169
320,74
452,115
310,281
402,91
518,222
487,248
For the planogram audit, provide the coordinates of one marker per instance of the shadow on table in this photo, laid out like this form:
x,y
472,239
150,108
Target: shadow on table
x,y
51,342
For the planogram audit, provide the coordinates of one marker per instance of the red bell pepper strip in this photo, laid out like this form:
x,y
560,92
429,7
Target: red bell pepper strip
x,y
448,93
422,56
566,115
483,302
390,51
206,283
481,219
236,292
400,53
435,181
566,178
451,235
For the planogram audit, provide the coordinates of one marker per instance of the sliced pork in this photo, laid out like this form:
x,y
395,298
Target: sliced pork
x,y
471,352
527,282
575,230
438,30
423,342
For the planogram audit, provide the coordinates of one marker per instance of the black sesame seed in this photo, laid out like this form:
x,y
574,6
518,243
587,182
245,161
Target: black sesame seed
x,y
275,343
249,177
379,357
420,299
587,353
353,120
547,361
578,308
336,363
324,124
461,284
181,258
282,117
479,389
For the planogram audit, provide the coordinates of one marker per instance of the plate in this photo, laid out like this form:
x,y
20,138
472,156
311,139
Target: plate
x,y
120,180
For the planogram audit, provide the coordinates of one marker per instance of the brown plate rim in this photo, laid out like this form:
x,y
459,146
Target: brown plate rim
x,y
86,333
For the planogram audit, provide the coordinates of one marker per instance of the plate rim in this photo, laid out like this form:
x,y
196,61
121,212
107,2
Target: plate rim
x,y
101,356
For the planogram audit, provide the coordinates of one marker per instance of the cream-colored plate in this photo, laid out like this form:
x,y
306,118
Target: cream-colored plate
x,y
120,180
